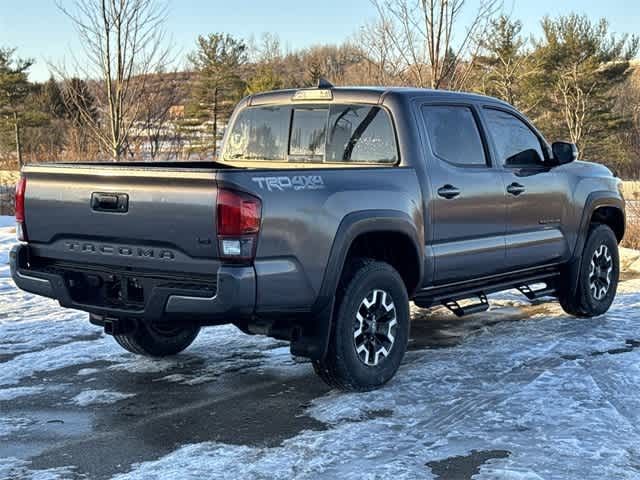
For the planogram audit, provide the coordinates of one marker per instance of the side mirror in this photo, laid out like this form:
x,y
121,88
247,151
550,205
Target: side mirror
x,y
564,152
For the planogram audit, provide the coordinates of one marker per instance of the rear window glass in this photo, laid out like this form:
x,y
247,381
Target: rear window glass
x,y
332,134
308,134
259,134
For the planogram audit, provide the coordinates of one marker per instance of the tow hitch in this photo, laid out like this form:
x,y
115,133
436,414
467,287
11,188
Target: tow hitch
x,y
118,326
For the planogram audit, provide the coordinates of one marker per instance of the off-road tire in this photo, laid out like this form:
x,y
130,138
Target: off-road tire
x,y
582,303
342,367
153,341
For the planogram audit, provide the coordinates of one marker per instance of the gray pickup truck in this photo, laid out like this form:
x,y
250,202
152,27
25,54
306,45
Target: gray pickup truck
x,y
328,211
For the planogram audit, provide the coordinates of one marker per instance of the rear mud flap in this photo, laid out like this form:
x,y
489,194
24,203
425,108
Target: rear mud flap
x,y
310,338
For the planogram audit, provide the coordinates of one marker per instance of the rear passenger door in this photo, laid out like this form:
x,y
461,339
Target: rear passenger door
x,y
467,205
536,194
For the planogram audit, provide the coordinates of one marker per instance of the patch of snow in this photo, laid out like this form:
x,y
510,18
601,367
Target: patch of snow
x,y
55,358
7,394
14,468
9,425
99,397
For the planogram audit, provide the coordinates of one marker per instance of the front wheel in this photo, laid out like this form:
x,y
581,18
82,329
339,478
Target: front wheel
x,y
158,340
370,328
597,280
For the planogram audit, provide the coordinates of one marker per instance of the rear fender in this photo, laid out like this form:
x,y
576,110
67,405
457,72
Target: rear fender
x,y
312,337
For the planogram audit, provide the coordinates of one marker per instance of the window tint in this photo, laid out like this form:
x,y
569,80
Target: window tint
x,y
308,134
516,143
360,134
454,134
259,133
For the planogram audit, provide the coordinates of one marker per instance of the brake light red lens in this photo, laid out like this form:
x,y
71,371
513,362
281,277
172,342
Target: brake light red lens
x,y
21,230
238,213
21,187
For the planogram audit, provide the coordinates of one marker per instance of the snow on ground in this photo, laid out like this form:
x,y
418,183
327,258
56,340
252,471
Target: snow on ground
x,y
99,397
559,396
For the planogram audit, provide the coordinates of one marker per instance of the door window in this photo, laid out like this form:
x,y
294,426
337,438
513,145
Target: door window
x,y
454,135
517,146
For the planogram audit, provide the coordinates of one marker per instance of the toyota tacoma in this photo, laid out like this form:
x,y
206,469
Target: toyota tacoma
x,y
327,212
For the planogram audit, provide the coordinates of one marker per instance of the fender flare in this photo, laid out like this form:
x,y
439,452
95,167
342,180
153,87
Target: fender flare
x,y
595,200
312,339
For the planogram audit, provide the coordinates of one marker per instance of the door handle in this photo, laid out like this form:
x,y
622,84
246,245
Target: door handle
x,y
448,191
110,202
515,189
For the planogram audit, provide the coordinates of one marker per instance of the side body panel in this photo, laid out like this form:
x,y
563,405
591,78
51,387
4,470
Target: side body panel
x,y
299,231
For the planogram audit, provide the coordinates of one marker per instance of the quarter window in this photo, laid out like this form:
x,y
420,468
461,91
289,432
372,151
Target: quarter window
x,y
360,134
454,135
516,144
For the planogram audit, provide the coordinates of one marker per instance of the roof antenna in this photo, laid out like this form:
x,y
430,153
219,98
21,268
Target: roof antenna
x,y
324,83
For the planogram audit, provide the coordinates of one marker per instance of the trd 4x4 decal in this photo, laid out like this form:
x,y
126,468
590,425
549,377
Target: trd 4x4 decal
x,y
297,182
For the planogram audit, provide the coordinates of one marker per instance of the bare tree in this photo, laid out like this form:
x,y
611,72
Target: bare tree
x,y
384,62
156,127
123,42
574,96
423,35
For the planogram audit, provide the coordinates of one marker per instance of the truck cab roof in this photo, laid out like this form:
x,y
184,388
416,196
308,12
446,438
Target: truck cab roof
x,y
372,95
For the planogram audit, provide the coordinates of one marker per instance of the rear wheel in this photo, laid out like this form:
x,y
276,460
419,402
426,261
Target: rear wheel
x,y
370,328
158,340
597,280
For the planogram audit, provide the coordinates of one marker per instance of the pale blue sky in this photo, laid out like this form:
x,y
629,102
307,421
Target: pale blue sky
x,y
40,31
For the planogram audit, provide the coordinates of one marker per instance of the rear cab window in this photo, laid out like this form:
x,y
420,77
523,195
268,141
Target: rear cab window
x,y
336,133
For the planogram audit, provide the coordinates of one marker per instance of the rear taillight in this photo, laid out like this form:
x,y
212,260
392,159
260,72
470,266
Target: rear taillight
x,y
21,228
239,217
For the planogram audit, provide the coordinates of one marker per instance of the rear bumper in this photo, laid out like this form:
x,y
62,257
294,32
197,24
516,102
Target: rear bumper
x,y
231,296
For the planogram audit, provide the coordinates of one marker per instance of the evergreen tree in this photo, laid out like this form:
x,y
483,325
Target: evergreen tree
x,y
264,79
218,63
581,64
314,72
14,88
52,99
506,68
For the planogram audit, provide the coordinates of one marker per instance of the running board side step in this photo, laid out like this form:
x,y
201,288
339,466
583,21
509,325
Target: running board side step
x,y
451,294
548,291
461,311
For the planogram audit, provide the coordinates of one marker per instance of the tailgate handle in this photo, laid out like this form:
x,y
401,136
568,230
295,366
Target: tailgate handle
x,y
110,202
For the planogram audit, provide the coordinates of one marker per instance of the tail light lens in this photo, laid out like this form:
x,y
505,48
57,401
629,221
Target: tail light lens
x,y
239,215
21,229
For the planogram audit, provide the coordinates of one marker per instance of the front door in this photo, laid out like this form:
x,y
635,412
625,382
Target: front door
x,y
535,192
467,204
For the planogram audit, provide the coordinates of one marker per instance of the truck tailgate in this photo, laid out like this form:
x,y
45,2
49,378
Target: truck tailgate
x,y
151,217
